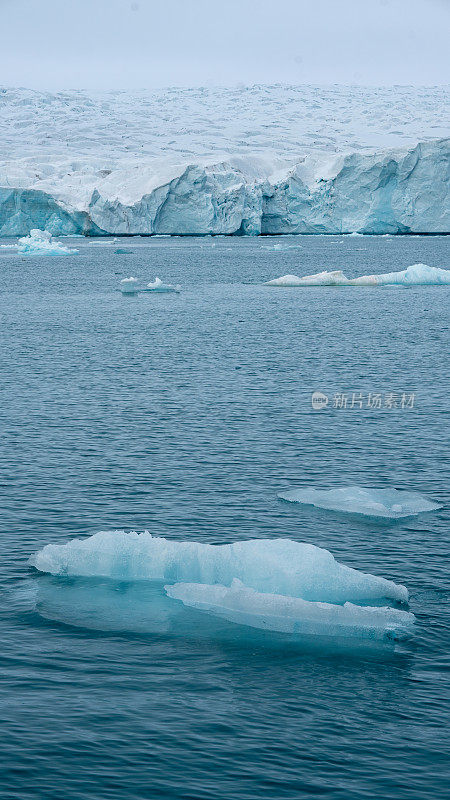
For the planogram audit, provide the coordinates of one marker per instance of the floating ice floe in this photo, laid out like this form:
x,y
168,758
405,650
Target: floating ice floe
x,y
158,286
415,275
272,584
390,503
293,615
280,246
41,243
133,286
280,566
129,285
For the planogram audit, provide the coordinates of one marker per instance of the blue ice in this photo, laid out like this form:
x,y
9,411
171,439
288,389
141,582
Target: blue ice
x,y
390,503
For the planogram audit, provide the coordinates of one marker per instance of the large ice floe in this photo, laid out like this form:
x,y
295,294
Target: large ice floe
x,y
388,503
206,161
271,584
415,275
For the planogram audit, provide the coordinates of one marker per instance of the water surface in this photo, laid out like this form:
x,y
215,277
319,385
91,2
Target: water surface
x,y
186,415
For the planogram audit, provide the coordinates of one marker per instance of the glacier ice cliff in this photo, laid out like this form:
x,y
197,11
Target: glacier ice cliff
x,y
402,190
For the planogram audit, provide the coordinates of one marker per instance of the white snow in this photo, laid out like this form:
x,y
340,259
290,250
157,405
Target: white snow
x,y
415,275
293,615
390,503
271,159
278,566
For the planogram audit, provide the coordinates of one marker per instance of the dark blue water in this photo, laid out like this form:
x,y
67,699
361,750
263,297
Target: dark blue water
x,y
185,415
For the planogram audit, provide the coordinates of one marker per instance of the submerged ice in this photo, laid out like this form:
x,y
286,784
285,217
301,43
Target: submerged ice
x,y
415,275
390,503
292,615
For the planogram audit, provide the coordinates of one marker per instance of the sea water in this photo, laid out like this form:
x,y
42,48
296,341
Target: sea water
x,y
186,415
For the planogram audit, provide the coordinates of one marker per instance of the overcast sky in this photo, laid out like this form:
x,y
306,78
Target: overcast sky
x,y
132,44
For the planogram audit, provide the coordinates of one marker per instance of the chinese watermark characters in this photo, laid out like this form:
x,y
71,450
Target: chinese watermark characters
x,y
361,400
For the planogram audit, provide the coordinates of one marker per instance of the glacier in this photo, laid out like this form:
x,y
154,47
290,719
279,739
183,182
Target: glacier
x,y
415,275
213,166
293,615
278,566
389,503
387,191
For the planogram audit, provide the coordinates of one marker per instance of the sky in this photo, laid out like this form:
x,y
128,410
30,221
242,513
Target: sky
x,y
137,44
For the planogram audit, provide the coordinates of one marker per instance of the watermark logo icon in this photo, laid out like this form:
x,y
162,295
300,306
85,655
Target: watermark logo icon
x,y
359,400
319,400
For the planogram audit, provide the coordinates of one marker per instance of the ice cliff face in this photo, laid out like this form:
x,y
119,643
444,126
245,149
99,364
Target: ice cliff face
x,y
388,191
250,160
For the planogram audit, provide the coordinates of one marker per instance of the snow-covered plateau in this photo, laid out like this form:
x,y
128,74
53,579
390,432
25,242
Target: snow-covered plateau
x,y
248,160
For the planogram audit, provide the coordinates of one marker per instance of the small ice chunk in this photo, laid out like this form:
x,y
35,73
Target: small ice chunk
x,y
158,286
41,243
129,285
360,500
292,615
